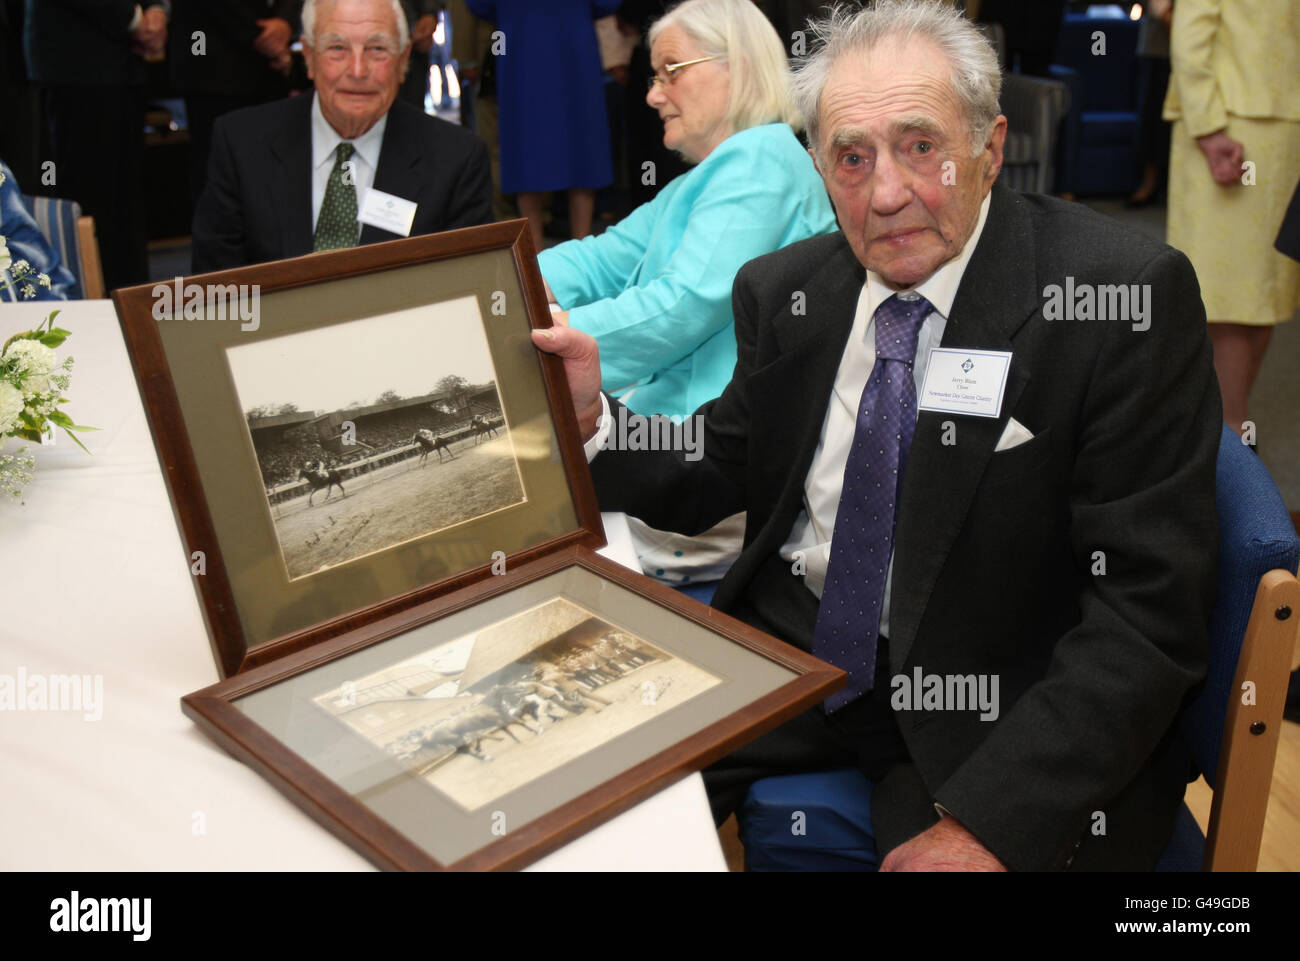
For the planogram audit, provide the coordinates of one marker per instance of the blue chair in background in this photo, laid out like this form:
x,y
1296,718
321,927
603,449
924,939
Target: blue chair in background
x,y
1232,727
73,236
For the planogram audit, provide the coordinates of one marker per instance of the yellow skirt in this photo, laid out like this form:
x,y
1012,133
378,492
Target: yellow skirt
x,y
1228,232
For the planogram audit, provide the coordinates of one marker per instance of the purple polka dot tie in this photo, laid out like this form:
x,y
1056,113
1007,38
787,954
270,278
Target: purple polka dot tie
x,y
848,620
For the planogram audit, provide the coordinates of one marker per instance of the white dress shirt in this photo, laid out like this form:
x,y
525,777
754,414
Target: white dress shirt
x,y
815,524
365,157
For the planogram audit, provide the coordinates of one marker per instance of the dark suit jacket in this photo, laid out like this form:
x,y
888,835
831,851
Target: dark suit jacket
x,y
82,42
229,66
256,206
994,552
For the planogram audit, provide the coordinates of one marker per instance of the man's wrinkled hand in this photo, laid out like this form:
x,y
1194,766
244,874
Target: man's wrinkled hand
x,y
581,359
946,846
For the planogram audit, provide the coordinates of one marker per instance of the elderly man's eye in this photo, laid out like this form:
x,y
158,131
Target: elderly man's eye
x,y
924,147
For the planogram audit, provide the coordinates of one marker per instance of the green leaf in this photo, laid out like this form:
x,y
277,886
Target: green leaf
x,y
26,433
64,421
54,338
76,440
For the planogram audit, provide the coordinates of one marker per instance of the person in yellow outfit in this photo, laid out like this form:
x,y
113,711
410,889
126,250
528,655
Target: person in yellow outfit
x,y
1234,162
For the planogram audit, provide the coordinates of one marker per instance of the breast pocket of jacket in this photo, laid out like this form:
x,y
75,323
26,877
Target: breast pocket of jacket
x,y
1018,462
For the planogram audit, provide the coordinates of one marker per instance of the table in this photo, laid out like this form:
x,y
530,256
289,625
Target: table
x,y
96,582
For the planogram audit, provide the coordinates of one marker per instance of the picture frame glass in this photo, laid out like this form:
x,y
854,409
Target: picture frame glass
x,y
477,723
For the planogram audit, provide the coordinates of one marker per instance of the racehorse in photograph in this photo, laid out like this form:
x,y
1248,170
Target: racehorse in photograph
x,y
429,443
317,476
480,426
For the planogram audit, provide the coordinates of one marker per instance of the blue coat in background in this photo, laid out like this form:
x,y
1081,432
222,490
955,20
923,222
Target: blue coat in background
x,y
553,128
26,242
655,289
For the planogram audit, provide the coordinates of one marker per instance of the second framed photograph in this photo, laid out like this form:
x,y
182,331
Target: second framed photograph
x,y
485,729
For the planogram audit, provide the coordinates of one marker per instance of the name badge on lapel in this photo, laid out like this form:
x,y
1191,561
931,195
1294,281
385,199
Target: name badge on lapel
x,y
961,381
388,212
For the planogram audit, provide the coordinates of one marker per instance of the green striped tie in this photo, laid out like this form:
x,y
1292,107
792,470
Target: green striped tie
x,y
337,224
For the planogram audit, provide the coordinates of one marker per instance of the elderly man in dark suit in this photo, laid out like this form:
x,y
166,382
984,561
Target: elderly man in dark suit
x,y
347,166
1048,530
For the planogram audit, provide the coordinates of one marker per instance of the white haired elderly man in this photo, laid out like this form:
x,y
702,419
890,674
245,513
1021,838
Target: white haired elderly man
x,y
993,509
347,166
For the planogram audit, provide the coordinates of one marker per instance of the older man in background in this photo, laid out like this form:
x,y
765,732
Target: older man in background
x,y
1038,517
347,166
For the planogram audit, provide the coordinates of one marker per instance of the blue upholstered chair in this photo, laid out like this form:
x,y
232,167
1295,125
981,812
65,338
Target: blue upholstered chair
x,y
73,236
1254,630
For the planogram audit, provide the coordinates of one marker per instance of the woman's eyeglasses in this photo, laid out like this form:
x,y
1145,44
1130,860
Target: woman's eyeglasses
x,y
668,74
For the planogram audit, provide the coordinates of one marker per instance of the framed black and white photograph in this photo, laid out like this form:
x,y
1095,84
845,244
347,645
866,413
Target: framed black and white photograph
x,y
486,728
348,433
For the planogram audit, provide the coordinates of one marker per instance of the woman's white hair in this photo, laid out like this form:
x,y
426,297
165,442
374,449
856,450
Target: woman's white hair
x,y
735,31
309,22
976,78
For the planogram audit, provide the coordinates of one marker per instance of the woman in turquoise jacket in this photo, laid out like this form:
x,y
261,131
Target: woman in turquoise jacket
x,y
655,290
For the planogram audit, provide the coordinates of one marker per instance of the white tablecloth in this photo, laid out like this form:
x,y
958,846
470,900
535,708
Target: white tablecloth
x,y
94,581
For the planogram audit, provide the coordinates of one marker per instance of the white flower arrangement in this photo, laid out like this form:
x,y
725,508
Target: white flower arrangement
x,y
32,382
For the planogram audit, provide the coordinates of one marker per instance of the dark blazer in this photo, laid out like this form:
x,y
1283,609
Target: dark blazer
x,y
994,552
256,206
229,66
82,42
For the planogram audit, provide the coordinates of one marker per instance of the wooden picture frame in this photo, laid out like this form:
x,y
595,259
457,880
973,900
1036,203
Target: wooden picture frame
x,y
405,819
257,611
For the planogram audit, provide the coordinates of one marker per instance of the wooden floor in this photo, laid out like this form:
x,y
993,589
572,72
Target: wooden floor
x,y
1279,850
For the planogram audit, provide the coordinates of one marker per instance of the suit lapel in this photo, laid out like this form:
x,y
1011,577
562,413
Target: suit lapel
x,y
997,295
292,178
398,172
811,348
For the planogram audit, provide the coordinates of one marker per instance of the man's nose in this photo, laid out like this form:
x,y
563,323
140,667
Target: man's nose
x,y
358,67
892,184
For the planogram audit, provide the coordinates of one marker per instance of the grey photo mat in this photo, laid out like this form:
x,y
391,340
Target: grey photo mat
x,y
433,821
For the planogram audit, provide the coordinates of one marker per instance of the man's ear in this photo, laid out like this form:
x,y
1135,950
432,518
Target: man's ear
x,y
996,141
406,61
309,58
816,166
